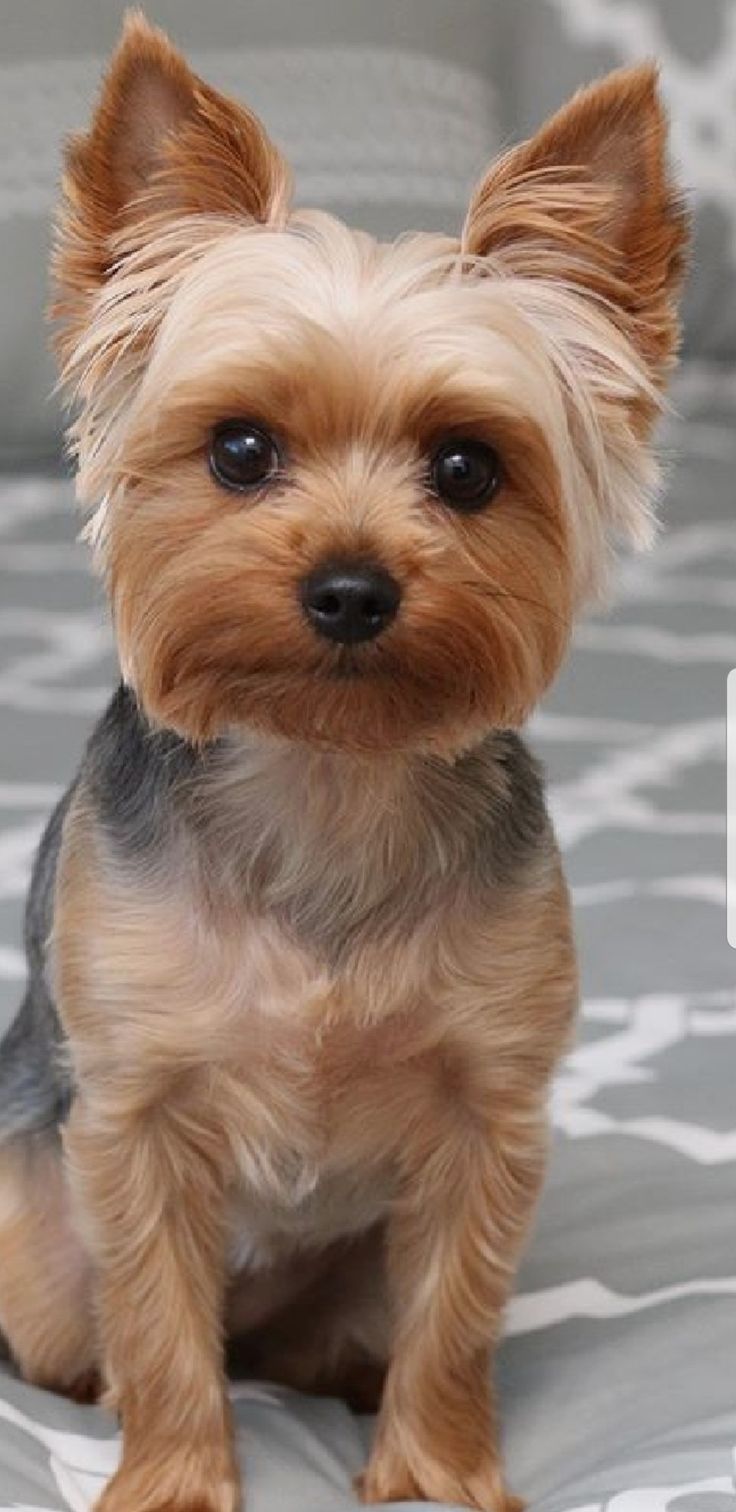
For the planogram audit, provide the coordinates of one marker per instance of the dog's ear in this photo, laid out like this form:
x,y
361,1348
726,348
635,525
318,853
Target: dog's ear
x,y
161,144
589,200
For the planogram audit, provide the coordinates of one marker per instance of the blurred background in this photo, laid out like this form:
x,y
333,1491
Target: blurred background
x,y
617,1371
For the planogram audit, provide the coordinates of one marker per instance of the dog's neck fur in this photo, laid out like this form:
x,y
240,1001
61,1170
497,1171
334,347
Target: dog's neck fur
x,y
338,848
341,848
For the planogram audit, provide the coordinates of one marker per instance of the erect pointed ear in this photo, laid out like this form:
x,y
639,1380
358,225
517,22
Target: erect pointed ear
x,y
589,200
161,143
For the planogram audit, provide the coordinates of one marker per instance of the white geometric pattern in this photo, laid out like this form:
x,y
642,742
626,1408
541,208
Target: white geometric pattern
x,y
642,1029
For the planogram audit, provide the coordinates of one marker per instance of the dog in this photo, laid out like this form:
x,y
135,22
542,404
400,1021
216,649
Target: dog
x,y
301,963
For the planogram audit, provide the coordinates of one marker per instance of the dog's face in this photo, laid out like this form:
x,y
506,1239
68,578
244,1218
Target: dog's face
x,y
343,518
352,494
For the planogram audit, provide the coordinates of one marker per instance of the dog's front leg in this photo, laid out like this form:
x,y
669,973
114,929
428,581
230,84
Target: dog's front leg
x,y
469,1189
150,1186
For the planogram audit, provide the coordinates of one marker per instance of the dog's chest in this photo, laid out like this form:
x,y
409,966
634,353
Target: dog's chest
x,y
301,1203
315,1097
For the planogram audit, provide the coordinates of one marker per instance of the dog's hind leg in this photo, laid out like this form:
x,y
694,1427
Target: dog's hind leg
x,y
46,1310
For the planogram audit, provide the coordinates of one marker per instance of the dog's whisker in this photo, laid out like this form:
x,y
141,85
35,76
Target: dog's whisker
x,y
486,590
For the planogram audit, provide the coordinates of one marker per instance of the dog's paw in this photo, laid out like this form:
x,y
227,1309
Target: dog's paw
x,y
388,1478
120,1496
123,1503
86,1389
170,1488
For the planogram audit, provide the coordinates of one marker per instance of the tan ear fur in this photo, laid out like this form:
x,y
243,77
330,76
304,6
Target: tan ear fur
x,y
589,200
162,144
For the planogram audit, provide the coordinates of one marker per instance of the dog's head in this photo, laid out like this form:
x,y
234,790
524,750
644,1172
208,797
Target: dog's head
x,y
346,493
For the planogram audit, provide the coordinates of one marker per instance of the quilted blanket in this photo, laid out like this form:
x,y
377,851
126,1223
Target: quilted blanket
x,y
617,1374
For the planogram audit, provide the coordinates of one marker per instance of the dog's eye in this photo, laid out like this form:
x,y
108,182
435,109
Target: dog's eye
x,y
465,474
243,455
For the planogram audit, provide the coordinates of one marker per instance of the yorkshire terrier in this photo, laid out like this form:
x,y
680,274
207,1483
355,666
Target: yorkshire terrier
x,y
301,963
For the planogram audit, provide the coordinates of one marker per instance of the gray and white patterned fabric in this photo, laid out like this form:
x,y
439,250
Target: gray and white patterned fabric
x,y
617,1374
389,109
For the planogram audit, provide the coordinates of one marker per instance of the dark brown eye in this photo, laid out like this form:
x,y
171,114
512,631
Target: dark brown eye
x,y
465,474
243,456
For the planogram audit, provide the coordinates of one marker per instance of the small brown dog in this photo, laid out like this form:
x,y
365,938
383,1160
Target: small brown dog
x,y
284,1068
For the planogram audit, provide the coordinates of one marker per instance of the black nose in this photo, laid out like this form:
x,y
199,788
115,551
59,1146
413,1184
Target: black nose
x,y
350,602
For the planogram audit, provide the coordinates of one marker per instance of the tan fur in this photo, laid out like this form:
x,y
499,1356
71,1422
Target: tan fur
x,y
163,142
358,384
45,1276
589,200
311,1052
213,1099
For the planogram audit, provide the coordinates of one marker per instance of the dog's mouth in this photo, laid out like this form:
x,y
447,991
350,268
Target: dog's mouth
x,y
389,695
350,702
349,665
